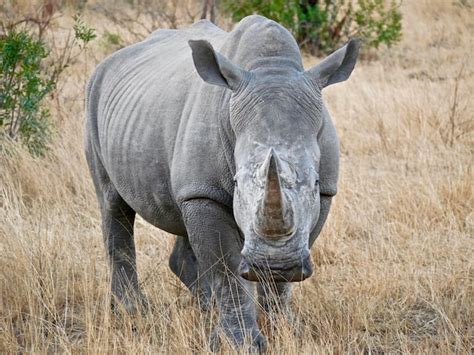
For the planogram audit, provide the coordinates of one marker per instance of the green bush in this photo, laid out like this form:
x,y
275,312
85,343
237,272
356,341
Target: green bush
x,y
23,86
26,79
322,25
82,31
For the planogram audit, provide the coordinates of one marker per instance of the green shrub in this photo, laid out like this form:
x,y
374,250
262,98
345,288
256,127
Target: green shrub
x,y
322,25
23,86
26,79
82,31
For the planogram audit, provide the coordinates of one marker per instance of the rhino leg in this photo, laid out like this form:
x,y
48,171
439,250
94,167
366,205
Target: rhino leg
x,y
274,297
275,300
216,242
184,264
117,227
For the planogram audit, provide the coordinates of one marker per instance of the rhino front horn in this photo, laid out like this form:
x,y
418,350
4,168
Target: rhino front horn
x,y
274,212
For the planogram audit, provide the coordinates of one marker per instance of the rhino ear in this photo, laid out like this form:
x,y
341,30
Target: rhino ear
x,y
214,68
337,66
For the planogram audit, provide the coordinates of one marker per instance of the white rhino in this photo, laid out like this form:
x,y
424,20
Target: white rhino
x,y
223,139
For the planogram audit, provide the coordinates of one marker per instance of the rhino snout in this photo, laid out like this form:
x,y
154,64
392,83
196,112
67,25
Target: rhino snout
x,y
253,270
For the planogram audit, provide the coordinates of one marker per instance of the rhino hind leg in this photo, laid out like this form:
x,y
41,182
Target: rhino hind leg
x,y
117,225
184,264
117,228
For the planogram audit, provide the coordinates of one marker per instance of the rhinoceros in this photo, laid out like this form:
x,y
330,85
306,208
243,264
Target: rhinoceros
x,y
222,139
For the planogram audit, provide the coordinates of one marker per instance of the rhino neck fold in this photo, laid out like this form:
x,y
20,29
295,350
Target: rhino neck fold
x,y
226,133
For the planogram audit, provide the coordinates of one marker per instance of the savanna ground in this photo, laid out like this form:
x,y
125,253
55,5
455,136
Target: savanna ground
x,y
394,266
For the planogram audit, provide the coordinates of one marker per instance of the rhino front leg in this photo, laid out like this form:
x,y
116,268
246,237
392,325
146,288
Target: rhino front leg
x,y
275,297
183,263
216,242
275,302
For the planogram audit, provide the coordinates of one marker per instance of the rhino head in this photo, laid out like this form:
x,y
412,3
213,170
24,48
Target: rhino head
x,y
276,113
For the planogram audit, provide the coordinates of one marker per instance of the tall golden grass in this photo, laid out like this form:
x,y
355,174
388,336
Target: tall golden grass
x,y
394,264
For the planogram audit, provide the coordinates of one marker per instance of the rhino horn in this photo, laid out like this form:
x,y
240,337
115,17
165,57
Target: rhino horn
x,y
274,212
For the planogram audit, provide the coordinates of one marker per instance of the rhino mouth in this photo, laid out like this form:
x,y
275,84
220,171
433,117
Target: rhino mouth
x,y
265,272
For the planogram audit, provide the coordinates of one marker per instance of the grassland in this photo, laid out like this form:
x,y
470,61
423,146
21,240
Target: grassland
x,y
394,266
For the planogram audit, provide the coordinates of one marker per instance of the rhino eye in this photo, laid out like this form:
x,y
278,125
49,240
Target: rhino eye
x,y
316,180
234,179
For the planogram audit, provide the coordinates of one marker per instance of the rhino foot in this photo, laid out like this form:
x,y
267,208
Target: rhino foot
x,y
131,303
203,297
248,340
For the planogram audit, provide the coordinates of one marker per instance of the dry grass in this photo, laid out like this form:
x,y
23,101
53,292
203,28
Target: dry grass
x,y
394,267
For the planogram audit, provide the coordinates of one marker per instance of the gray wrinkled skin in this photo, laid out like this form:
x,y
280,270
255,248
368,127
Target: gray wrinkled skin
x,y
222,139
